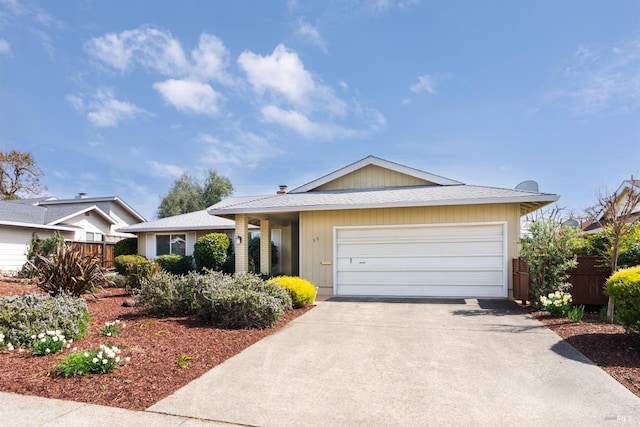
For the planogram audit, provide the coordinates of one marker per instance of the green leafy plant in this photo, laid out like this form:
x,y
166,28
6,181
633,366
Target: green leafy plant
x,y
624,289
69,272
135,269
49,342
210,251
175,264
123,262
302,291
100,360
548,252
182,361
575,314
254,255
22,317
126,247
556,303
5,344
112,329
167,294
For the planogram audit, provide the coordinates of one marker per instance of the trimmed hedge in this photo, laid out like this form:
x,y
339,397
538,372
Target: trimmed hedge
x,y
624,289
175,264
126,247
210,251
122,262
24,316
302,291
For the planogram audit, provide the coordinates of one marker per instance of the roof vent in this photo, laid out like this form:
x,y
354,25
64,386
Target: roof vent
x,y
282,190
81,196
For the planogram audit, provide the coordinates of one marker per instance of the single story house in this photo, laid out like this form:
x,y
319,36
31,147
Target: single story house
x,y
81,219
378,228
627,188
178,234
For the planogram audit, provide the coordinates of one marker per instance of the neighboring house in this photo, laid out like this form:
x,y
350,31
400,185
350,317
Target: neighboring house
x,y
81,219
379,228
594,226
177,234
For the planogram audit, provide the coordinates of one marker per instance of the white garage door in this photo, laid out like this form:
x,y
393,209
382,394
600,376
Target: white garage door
x,y
453,260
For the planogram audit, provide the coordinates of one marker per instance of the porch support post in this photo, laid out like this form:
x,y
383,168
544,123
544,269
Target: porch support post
x,y
241,243
265,246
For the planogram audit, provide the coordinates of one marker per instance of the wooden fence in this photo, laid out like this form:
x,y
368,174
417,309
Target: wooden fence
x,y
102,249
587,280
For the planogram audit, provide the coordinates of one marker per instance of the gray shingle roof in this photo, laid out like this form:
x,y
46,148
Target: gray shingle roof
x,y
199,220
378,198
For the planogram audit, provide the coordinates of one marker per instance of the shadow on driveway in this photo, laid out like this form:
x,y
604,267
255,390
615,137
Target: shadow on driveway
x,y
395,300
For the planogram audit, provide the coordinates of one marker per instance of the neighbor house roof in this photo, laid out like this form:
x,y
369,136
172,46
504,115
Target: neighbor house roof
x,y
27,215
102,202
199,220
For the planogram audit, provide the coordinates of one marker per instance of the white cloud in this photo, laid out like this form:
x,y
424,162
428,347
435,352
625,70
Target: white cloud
x,y
309,33
159,51
164,169
283,76
5,47
106,111
295,121
247,150
189,96
76,102
425,83
602,79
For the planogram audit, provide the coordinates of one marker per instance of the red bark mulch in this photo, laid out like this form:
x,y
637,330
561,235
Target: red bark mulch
x,y
154,345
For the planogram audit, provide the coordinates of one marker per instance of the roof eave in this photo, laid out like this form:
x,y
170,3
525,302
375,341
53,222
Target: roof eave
x,y
38,226
539,201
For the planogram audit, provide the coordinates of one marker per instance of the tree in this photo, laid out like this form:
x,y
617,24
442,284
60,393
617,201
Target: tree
x,y
188,194
18,174
615,214
548,250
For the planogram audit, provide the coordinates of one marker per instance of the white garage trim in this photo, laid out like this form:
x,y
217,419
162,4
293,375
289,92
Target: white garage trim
x,y
466,260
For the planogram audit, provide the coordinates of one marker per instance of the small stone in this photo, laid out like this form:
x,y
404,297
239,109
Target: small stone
x,y
129,303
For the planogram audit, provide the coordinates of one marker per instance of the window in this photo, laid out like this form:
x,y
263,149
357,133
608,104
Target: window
x,y
171,244
93,237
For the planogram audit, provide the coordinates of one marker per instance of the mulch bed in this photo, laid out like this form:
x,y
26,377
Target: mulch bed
x,y
154,345
606,345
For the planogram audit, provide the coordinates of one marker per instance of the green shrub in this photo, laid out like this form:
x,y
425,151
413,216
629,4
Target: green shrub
x,y
100,360
122,262
44,247
175,264
254,255
68,272
576,313
126,247
241,301
557,303
167,294
624,289
28,315
210,251
302,291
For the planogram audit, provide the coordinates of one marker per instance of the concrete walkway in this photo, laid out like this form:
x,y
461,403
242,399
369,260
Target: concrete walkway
x,y
371,363
447,362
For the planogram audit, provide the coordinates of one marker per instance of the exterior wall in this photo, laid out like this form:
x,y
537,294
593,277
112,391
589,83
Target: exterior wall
x,y
92,223
14,243
372,177
316,231
123,219
147,241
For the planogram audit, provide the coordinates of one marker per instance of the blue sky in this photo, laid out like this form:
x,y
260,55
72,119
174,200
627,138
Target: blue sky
x,y
121,97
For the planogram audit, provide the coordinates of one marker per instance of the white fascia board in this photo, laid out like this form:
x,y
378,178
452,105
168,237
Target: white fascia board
x,y
161,229
38,226
372,160
483,201
80,212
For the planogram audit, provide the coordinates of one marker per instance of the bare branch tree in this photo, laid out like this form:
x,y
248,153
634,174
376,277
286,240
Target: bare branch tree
x,y
615,213
18,173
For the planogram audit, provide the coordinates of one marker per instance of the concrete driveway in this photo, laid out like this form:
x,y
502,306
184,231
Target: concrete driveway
x,y
437,362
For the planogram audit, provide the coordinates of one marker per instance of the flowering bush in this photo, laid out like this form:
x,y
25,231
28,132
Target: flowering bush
x,y
101,360
111,329
3,343
624,289
49,342
302,291
21,317
556,303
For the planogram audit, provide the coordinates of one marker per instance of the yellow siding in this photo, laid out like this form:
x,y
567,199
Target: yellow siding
x,y
372,177
142,244
316,231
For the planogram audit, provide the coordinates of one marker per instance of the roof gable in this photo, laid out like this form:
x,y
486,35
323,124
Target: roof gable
x,y
373,172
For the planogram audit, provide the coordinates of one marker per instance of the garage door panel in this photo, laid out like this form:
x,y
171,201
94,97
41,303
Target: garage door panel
x,y
457,260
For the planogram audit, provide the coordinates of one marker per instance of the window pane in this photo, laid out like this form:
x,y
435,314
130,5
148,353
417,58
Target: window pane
x,y
162,245
89,236
178,244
